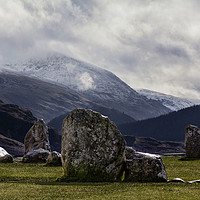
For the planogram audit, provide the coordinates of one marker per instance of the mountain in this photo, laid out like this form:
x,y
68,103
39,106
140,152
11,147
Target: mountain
x,y
169,101
151,145
15,123
13,147
47,100
96,84
170,127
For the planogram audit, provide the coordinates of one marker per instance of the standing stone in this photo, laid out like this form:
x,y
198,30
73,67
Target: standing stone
x,y
93,149
37,147
192,141
5,157
144,167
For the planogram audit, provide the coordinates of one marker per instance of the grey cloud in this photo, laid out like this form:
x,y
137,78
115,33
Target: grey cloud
x,y
149,44
171,51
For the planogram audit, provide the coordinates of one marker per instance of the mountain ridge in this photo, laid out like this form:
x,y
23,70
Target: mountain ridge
x,y
170,101
169,127
96,84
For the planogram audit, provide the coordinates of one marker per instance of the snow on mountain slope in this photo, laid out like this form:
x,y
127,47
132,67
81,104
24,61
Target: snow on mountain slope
x,y
74,74
171,102
97,84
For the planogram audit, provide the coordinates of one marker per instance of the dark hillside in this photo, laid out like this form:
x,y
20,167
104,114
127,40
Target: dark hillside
x,y
170,127
15,122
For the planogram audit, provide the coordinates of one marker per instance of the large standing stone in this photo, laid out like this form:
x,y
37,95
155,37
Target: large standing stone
x,y
92,147
144,167
5,157
37,143
192,141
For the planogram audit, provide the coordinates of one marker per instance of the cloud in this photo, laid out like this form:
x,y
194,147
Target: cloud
x,y
85,81
149,44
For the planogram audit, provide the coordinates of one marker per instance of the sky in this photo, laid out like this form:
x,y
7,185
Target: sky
x,y
149,44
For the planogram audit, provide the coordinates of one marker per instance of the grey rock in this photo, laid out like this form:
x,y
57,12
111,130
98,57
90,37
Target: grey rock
x,y
179,180
195,181
144,167
54,159
130,153
37,137
93,149
192,141
5,157
36,156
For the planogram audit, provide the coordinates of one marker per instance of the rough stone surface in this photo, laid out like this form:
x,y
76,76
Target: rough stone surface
x,y
37,137
54,159
144,167
92,147
192,141
5,157
36,156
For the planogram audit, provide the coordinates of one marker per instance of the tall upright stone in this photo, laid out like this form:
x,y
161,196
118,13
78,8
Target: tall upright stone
x,y
192,141
37,146
93,149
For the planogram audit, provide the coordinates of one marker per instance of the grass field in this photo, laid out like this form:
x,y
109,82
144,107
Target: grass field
x,y
31,181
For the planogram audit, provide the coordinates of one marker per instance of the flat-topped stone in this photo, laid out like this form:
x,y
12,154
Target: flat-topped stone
x,y
144,167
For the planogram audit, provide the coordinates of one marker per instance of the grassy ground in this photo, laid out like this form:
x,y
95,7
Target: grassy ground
x,y
30,181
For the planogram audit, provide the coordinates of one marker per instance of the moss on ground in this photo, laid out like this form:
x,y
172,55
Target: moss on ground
x,y
34,181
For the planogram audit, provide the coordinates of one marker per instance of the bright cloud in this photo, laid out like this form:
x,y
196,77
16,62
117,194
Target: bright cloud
x,y
150,44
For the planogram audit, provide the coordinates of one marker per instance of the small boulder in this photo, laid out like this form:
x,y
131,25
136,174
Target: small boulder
x,y
144,167
177,180
5,157
192,141
37,142
54,159
92,147
36,156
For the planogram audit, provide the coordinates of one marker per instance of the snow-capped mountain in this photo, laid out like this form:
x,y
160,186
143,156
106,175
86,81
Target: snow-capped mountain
x,y
77,75
96,84
171,102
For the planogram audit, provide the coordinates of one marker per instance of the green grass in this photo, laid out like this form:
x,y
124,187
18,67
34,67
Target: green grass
x,y
34,181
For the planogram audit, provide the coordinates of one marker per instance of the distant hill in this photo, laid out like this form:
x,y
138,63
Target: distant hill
x,y
114,115
44,100
151,145
171,102
13,147
47,100
76,79
170,127
15,122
